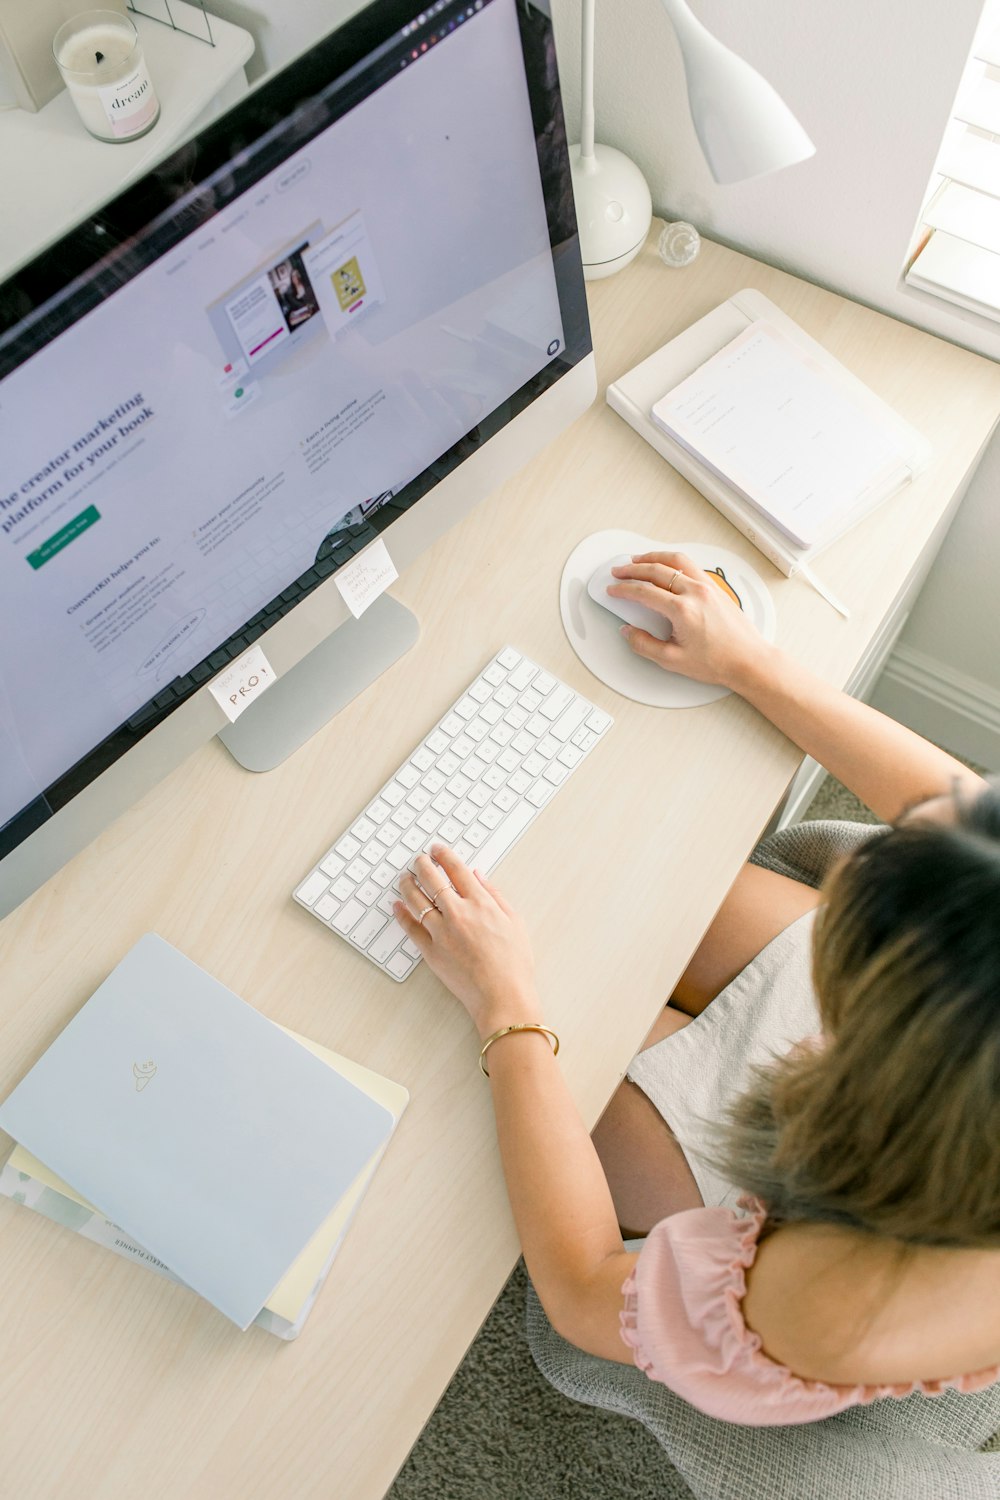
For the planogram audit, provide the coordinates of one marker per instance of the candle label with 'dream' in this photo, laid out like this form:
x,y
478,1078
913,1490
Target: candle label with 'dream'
x,y
130,103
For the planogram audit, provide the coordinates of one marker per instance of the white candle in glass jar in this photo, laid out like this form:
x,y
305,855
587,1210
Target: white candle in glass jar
x,y
100,58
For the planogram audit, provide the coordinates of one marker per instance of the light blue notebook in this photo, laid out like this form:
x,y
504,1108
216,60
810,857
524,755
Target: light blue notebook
x,y
207,1133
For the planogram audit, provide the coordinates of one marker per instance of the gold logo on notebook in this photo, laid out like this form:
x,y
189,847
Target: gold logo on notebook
x,y
143,1073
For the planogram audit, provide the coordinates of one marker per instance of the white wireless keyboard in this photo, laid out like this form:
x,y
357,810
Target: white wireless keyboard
x,y
475,783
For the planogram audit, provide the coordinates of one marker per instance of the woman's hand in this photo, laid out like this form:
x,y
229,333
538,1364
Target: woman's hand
x,y
712,639
473,941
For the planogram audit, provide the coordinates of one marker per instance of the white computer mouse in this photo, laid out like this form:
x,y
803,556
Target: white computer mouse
x,y
626,609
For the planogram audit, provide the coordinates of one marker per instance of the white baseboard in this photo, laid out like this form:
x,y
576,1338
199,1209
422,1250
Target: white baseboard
x,y
946,706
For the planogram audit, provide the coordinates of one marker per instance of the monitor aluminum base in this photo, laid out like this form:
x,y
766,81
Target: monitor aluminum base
x,y
320,685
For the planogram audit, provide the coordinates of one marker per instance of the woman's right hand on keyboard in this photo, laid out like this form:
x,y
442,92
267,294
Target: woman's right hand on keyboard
x,y
476,944
712,640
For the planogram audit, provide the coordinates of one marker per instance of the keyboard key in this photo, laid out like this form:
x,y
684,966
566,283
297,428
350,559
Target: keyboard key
x,y
410,948
433,782
372,852
343,888
443,803
557,701
399,965
488,750
480,795
584,738
533,764
363,830
522,743
429,820
460,783
539,793
386,942
331,866
438,741
325,907
565,727
509,658
494,675
422,759
448,764
368,928
570,756
519,782
449,831
385,874
491,712
474,768
408,777
598,721
465,812
522,674
515,717
418,798
555,773
501,838
347,916
505,799
379,811
413,839
494,777
387,835
403,815
547,748
508,760
467,708
480,691
543,683
463,746
358,870
451,725
393,794
348,847
529,701
477,729
536,726
491,817
505,696
368,893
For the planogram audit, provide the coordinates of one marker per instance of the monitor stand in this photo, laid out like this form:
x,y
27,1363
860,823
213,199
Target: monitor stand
x,y
320,685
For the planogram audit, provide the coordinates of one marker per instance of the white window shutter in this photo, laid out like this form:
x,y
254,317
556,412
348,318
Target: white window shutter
x,y
956,254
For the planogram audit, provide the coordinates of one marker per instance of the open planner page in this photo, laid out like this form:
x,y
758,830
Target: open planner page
x,y
778,427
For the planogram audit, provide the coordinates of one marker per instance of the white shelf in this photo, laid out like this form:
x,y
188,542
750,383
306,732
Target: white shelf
x,y
53,174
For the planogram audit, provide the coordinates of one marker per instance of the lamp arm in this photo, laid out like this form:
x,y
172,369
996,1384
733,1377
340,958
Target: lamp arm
x,y
587,81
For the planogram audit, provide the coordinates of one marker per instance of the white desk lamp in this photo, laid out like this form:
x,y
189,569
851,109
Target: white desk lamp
x,y
745,129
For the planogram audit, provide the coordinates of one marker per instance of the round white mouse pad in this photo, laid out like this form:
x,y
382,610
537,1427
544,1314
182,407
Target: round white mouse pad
x,y
594,631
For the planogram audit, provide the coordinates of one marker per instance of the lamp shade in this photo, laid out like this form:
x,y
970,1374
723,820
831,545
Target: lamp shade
x,y
744,127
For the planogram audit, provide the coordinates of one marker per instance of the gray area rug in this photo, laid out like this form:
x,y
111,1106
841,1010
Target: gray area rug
x,y
501,1432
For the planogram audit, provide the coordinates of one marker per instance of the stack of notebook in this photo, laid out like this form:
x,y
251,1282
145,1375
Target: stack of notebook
x,y
176,1125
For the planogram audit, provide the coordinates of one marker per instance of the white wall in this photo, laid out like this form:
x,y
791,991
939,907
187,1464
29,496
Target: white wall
x,y
873,82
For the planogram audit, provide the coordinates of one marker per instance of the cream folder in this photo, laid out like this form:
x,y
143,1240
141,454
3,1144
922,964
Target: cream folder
x,y
207,1133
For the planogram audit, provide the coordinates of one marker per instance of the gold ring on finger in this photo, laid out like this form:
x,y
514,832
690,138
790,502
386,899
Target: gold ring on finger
x,y
423,914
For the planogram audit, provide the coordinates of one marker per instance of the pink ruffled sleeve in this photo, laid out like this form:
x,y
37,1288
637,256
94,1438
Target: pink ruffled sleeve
x,y
683,1320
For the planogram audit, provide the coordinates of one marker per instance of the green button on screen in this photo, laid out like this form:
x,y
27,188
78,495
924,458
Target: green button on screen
x,y
64,536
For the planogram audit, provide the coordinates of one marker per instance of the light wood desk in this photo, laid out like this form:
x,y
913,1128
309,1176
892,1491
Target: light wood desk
x,y
115,1384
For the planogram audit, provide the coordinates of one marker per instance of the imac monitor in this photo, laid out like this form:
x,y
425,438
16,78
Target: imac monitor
x,y
351,307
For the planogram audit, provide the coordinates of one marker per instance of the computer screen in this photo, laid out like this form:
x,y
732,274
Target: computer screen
x,y
279,344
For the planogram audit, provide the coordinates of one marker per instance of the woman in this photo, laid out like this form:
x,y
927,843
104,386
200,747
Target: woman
x,y
868,1263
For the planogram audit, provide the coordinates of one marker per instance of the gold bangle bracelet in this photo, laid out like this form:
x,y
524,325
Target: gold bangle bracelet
x,y
506,1030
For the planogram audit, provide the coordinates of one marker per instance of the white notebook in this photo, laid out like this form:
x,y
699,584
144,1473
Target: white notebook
x,y
214,1139
785,432
634,394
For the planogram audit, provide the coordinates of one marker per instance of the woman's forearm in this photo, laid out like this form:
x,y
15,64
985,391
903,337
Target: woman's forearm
x,y
560,1197
886,765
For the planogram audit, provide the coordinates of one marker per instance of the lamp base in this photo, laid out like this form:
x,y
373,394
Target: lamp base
x,y
613,209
